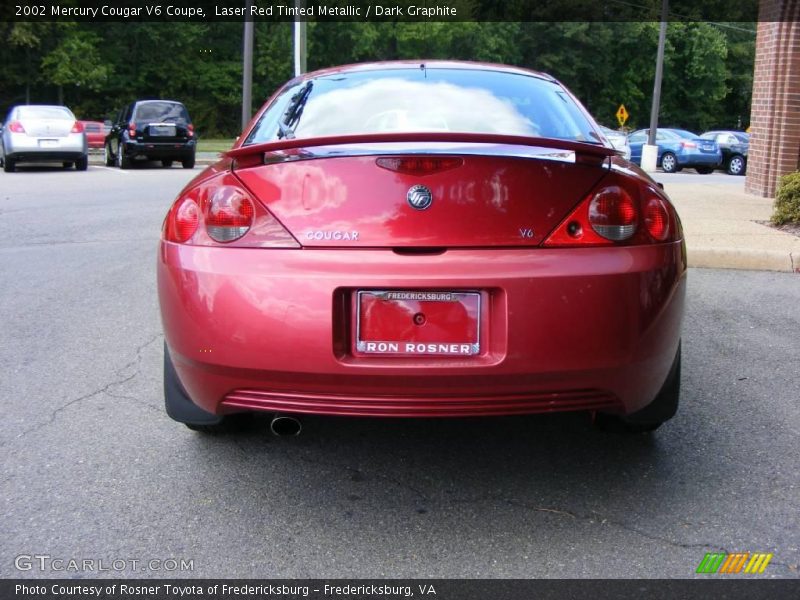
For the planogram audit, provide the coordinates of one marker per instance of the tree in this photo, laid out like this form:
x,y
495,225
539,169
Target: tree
x,y
99,67
75,61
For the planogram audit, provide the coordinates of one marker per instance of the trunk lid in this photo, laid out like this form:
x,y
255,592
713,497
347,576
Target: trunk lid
x,y
51,128
491,199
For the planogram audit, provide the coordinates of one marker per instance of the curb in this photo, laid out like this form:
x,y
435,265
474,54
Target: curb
x,y
96,158
744,259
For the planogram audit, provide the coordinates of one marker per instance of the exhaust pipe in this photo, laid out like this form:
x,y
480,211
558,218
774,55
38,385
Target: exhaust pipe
x,y
284,425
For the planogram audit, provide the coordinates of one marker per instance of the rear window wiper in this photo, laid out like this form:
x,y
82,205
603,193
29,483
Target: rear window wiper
x,y
294,111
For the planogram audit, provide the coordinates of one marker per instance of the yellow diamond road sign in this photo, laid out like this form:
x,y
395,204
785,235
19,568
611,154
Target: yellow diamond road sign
x,y
622,115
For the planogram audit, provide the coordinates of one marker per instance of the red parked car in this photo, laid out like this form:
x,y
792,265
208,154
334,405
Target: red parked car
x,y
422,240
95,133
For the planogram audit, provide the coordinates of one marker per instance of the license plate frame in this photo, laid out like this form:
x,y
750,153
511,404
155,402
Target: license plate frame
x,y
48,143
460,310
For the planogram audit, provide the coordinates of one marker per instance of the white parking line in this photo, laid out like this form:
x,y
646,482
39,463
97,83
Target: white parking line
x,y
112,169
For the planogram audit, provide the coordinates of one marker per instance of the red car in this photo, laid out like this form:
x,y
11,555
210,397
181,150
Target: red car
x,y
95,133
410,239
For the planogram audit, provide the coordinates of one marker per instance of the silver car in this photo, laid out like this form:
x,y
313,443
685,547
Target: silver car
x,y
619,140
40,133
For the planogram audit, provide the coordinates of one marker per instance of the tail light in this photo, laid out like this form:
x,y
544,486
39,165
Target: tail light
x,y
132,129
190,130
612,214
621,211
688,145
656,219
416,165
182,220
228,214
222,211
16,127
77,127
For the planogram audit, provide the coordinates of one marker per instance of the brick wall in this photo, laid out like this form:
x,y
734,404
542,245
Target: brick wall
x,y
775,113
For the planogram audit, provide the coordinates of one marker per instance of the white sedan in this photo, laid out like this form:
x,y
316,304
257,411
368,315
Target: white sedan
x,y
40,133
619,140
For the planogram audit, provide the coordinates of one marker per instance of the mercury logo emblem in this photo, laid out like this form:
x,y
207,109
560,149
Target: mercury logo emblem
x,y
419,197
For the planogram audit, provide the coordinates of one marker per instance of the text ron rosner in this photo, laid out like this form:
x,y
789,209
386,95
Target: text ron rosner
x,y
282,10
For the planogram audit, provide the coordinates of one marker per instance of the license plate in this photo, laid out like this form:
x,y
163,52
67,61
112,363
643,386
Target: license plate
x,y
48,143
418,322
162,130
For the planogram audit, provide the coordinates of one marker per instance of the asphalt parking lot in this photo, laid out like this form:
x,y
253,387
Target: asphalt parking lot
x,y
93,469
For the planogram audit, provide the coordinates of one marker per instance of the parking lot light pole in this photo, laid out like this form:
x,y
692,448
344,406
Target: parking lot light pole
x,y
247,67
650,149
300,66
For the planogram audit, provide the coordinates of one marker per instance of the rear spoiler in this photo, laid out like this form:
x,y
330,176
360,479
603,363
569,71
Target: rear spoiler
x,y
592,150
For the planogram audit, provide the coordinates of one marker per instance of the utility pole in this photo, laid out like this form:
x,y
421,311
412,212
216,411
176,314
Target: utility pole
x,y
300,65
650,150
247,67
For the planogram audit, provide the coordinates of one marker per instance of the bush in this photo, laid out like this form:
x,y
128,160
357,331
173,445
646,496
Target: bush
x,y
787,200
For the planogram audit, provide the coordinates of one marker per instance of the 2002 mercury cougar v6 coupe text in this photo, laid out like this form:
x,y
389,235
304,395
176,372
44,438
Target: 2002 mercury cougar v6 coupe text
x,y
422,240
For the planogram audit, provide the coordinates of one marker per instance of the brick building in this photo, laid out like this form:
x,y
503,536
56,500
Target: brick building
x,y
775,113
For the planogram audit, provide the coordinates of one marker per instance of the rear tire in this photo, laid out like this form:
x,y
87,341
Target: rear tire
x,y
109,158
188,163
82,163
669,163
736,165
123,162
8,165
652,416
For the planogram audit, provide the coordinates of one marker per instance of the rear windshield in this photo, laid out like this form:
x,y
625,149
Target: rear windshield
x,y
92,127
44,112
426,99
161,111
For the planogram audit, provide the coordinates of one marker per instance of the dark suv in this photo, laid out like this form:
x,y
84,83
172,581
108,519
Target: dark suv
x,y
154,130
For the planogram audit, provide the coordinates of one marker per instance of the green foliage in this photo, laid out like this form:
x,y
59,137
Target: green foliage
x,y
739,63
101,66
698,76
76,61
787,200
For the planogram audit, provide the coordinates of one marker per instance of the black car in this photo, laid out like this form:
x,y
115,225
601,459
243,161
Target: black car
x,y
153,130
734,146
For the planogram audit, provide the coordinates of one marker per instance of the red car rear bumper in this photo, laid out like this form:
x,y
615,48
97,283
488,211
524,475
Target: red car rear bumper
x,y
561,329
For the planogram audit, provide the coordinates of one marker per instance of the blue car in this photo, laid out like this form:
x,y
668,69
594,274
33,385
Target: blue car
x,y
678,148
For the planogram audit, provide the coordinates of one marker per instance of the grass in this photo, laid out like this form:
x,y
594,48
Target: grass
x,y
214,145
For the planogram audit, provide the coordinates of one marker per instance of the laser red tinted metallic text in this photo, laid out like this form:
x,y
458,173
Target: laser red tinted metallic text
x,y
414,240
